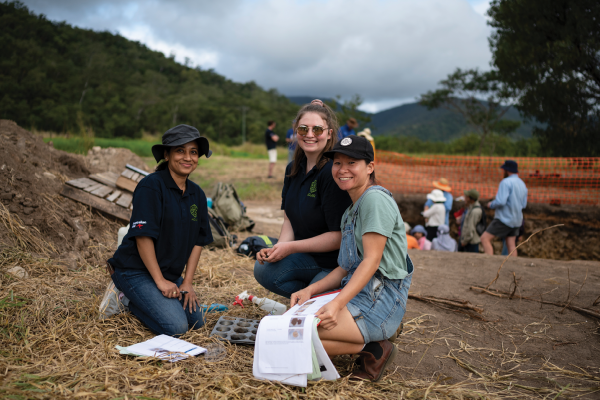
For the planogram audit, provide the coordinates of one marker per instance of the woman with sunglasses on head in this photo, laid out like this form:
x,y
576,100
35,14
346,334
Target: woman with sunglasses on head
x,y
310,237
374,270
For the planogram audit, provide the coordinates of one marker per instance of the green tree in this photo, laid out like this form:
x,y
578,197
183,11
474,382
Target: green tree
x,y
548,52
464,92
346,109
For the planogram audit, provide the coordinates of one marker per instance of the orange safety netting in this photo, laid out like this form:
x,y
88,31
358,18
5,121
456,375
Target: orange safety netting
x,y
549,180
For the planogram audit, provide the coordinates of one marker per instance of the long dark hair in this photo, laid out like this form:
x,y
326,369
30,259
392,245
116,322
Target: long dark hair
x,y
330,119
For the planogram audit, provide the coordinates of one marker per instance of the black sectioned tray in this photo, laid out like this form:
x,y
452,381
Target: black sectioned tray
x,y
236,330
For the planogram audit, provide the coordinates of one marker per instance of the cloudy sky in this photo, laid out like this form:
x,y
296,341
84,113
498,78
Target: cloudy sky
x,y
387,51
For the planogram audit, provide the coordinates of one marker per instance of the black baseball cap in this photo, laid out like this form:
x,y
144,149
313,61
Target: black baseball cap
x,y
353,146
180,135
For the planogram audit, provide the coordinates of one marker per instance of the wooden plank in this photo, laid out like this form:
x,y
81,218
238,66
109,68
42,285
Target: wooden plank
x,y
127,173
126,184
114,195
90,189
81,183
103,191
96,203
141,177
139,171
135,176
125,200
108,178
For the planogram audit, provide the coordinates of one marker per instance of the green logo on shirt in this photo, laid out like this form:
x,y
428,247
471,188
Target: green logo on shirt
x,y
313,189
194,212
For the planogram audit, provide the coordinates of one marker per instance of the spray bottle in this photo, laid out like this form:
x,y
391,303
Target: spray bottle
x,y
273,307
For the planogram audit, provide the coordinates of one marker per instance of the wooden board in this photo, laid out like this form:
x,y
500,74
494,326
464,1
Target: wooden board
x,y
82,183
127,173
126,184
90,189
141,177
114,195
125,200
103,191
135,176
97,203
108,178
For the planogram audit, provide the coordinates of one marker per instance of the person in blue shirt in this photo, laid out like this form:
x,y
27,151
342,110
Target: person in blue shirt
x,y
290,138
169,226
442,185
509,203
347,129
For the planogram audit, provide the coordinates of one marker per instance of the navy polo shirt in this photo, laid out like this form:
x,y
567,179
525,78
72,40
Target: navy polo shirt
x,y
176,222
314,204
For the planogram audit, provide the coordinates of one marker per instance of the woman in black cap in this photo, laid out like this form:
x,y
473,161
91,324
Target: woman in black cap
x,y
374,270
168,229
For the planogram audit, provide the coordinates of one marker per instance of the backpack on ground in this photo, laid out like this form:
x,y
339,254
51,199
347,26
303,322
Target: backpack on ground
x,y
228,206
482,224
221,236
253,244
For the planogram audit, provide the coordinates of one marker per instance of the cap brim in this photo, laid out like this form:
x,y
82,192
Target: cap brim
x,y
358,156
158,150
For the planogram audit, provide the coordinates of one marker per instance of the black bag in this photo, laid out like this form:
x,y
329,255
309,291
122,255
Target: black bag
x,y
253,244
482,224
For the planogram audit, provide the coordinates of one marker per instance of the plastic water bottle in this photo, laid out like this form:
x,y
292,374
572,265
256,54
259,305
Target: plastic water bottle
x,y
273,307
209,202
122,232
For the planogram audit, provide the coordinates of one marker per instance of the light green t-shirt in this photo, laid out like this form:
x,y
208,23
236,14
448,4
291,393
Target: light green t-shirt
x,y
379,213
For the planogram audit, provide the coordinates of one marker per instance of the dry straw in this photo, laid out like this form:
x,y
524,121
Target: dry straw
x,y
54,346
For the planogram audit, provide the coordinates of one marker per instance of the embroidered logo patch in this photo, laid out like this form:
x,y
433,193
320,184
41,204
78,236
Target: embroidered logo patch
x,y
194,212
313,189
138,224
346,141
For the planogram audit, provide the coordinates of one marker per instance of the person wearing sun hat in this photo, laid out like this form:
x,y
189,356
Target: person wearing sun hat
x,y
443,185
373,264
509,203
168,228
435,214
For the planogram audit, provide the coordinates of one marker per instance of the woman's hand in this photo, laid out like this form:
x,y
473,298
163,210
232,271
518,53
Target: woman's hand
x,y
190,299
328,314
263,255
168,289
300,296
279,251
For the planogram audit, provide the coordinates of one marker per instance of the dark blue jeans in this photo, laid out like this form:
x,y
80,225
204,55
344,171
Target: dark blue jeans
x,y
287,276
159,313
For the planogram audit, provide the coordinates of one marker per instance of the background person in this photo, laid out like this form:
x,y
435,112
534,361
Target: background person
x,y
310,237
168,229
469,238
509,203
420,234
411,241
347,129
271,140
435,214
290,138
443,241
442,185
374,270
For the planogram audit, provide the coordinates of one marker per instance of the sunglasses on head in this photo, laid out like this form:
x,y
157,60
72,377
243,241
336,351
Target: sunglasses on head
x,y
318,130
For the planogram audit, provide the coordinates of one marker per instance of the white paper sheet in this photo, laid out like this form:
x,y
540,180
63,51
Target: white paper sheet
x,y
328,371
285,344
310,307
167,348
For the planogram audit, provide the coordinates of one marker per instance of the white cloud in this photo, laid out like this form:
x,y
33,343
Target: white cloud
x,y
385,51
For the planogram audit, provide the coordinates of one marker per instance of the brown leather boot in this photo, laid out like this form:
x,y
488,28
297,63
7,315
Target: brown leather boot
x,y
374,359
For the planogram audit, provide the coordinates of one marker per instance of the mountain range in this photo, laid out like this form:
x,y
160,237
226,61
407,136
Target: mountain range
x,y
412,119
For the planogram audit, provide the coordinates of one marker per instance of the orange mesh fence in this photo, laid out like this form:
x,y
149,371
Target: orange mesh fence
x,y
549,180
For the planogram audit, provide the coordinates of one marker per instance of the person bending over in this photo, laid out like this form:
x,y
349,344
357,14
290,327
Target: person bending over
x,y
374,269
310,237
168,229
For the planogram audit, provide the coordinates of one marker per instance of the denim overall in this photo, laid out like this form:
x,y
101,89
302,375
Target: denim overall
x,y
379,307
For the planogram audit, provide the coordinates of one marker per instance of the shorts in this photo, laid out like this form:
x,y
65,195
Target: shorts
x,y
378,311
272,155
501,230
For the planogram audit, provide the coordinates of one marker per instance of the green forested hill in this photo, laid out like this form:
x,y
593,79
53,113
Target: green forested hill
x,y
57,77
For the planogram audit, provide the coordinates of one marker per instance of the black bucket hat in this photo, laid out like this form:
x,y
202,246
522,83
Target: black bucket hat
x,y
180,135
353,146
510,166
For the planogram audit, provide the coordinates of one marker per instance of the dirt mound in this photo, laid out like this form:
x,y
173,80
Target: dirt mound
x,y
113,159
34,215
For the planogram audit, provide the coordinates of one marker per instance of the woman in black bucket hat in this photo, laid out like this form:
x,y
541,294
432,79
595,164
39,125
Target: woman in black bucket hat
x,y
168,229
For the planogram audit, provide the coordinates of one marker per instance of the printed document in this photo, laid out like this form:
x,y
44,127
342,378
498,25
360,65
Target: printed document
x,y
166,348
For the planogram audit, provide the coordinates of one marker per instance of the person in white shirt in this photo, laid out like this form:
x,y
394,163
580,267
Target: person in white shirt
x,y
436,214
